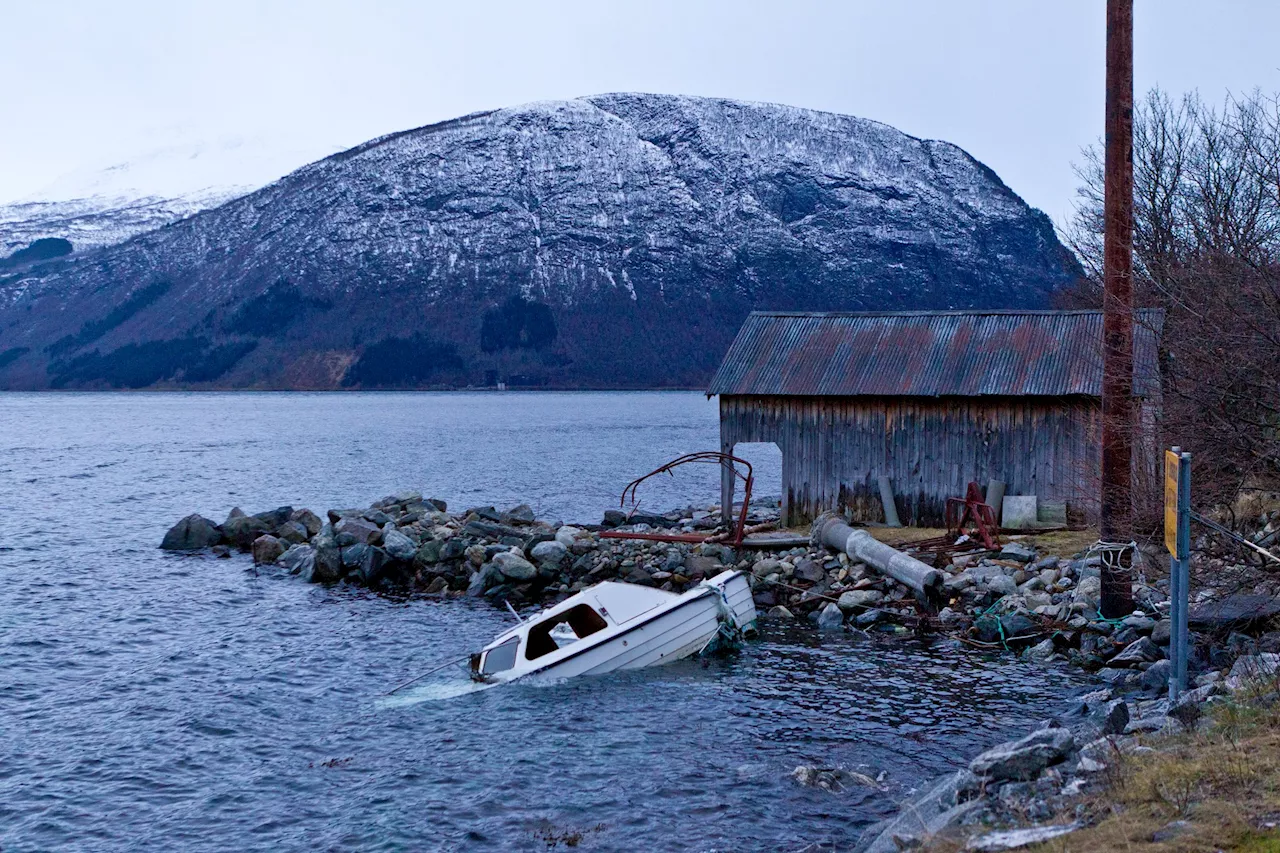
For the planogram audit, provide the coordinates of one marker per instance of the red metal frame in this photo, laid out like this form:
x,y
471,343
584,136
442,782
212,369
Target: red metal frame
x,y
976,511
714,457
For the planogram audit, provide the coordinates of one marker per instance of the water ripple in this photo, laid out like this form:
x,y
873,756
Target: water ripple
x,y
156,701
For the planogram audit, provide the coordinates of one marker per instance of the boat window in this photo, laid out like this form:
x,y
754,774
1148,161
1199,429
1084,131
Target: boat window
x,y
501,657
582,619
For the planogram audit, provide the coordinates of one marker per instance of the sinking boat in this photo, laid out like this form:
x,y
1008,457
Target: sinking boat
x,y
619,626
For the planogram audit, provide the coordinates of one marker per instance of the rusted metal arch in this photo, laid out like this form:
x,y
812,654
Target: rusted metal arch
x,y
727,463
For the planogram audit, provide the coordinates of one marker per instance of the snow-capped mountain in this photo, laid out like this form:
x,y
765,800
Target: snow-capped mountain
x,y
610,241
107,203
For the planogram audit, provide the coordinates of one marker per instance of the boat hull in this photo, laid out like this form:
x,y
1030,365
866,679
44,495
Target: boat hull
x,y
621,627
681,631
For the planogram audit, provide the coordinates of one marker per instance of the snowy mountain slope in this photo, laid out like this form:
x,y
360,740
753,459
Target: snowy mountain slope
x,y
106,203
97,221
611,241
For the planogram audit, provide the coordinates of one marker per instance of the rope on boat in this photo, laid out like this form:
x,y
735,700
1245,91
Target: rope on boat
x,y
425,674
728,635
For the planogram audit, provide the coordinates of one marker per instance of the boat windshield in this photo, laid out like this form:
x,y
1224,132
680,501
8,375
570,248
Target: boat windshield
x,y
546,637
501,657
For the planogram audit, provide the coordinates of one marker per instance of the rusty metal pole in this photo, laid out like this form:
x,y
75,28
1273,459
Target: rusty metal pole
x,y
1117,307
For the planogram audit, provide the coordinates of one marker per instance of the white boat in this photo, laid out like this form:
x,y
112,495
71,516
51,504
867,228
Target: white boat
x,y
618,626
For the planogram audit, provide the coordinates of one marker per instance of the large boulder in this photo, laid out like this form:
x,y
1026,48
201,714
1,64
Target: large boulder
x,y
373,566
1156,677
241,530
267,549
454,548
428,553
358,530
859,598
376,516
1141,650
515,567
484,578
549,553
767,566
567,535
1017,552
293,532
698,567
1017,624
328,562
192,534
299,560
943,804
1088,592
1115,716
831,618
275,517
1002,585
522,514
1022,760
407,497
491,530
398,546
1262,667
353,556
307,519
810,570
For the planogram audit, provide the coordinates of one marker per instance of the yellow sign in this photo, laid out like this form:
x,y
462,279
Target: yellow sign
x,y
1171,463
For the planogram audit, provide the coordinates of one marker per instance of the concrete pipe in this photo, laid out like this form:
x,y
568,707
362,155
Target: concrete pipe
x,y
890,508
831,531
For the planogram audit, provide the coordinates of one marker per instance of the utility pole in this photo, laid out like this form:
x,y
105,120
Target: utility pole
x,y
1117,322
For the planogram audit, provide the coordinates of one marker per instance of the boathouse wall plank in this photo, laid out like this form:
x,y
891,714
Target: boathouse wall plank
x,y
835,448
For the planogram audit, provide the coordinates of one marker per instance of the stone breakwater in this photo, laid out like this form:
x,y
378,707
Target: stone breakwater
x,y
1043,607
409,543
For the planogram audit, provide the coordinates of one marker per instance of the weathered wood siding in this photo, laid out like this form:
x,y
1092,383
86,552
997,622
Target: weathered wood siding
x,y
834,448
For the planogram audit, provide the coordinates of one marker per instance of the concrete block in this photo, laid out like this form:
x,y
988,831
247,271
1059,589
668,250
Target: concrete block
x,y
1052,513
1019,512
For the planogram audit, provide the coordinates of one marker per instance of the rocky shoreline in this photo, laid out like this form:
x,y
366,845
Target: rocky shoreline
x,y
1040,606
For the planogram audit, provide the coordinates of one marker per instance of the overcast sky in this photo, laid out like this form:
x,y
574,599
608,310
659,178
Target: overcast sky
x,y
1017,83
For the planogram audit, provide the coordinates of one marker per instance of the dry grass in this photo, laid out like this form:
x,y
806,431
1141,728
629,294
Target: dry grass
x,y
1251,503
1224,783
1063,543
893,535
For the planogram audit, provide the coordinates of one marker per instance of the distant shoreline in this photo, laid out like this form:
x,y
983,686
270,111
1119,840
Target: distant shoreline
x,y
478,390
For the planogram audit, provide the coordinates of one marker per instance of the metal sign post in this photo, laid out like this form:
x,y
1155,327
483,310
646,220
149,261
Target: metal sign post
x,y
1177,538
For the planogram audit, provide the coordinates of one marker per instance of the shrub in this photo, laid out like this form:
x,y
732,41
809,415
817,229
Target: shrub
x,y
518,324
94,329
402,362
39,250
138,365
273,311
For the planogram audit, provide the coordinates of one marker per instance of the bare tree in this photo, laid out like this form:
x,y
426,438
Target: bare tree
x,y
1207,250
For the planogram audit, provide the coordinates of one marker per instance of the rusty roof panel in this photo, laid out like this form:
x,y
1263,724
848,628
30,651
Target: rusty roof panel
x,y
930,354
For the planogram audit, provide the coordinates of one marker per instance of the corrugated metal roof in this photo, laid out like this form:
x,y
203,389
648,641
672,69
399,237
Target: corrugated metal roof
x,y
930,354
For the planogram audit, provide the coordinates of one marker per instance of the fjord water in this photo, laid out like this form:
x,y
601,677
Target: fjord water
x,y
153,701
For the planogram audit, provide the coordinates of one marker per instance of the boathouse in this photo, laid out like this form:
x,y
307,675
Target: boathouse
x,y
931,399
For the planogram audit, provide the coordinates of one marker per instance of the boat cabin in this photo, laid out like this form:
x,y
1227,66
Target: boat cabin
x,y
605,605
